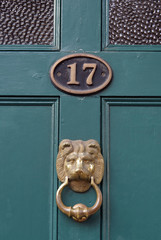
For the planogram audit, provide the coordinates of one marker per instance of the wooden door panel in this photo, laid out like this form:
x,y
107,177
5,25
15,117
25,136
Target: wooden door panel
x,y
28,130
32,123
27,74
134,135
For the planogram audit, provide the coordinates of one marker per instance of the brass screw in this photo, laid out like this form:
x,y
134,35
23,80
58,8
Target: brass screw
x,y
58,74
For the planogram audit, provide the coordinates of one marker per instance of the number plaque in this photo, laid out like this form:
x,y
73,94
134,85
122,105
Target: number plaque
x,y
81,74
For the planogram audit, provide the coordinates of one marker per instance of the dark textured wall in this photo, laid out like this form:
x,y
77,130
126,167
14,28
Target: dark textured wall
x,y
26,22
135,22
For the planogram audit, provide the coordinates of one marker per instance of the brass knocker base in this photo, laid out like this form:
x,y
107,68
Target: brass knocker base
x,y
79,212
79,165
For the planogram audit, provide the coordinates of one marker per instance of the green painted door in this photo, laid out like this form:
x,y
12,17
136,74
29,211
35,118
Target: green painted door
x,y
125,118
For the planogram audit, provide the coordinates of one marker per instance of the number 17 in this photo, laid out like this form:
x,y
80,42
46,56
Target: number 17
x,y
73,68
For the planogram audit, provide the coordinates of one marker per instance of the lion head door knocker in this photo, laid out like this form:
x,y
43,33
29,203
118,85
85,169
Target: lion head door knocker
x,y
80,165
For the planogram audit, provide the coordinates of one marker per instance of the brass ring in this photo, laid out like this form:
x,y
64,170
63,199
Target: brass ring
x,y
79,212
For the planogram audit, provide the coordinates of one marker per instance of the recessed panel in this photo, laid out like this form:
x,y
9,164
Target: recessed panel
x,y
27,182
134,167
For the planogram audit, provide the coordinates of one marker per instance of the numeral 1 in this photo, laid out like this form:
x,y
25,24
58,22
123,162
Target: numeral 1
x,y
73,74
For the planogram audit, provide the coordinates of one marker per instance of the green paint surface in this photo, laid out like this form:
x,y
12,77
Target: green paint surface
x,y
134,132
124,118
26,172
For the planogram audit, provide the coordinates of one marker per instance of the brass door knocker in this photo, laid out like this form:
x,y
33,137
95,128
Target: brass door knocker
x,y
80,165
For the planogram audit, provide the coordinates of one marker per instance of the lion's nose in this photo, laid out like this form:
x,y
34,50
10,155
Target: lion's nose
x,y
79,165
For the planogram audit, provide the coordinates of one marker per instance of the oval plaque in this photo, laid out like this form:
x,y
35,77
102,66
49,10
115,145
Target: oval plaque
x,y
81,74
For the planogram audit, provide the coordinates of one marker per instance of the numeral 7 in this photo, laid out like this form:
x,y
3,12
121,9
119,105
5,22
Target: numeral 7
x,y
90,77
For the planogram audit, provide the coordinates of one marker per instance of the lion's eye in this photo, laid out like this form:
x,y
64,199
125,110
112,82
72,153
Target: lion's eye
x,y
87,161
92,152
72,160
